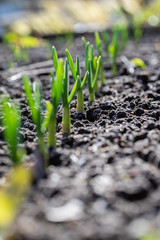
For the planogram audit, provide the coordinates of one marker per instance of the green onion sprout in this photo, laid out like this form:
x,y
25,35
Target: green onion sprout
x,y
67,98
77,75
92,81
99,50
105,38
56,90
34,101
11,121
92,65
113,50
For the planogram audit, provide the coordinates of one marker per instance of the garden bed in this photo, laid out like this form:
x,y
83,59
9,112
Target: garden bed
x,y
103,181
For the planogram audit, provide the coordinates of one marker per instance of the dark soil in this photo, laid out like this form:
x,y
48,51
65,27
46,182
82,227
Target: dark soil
x,y
103,181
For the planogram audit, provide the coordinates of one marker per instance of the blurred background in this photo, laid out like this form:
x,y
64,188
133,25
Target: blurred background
x,y
47,17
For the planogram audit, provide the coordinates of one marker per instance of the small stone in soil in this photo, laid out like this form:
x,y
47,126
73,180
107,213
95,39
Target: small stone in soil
x,y
121,114
139,111
71,211
143,76
54,157
140,136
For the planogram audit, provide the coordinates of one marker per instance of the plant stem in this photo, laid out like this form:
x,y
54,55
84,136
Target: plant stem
x,y
52,132
102,75
80,101
114,67
97,87
42,148
92,95
66,120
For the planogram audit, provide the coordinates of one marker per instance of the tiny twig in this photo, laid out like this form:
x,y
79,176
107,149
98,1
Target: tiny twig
x,y
34,72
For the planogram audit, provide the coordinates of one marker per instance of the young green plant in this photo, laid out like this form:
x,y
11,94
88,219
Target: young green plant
x,y
92,81
137,31
92,65
34,100
12,122
52,108
77,75
18,180
99,50
67,98
122,36
89,49
105,38
20,45
113,51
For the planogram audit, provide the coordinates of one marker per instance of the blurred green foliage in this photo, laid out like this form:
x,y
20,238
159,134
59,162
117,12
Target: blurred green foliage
x,y
12,195
137,62
152,235
19,45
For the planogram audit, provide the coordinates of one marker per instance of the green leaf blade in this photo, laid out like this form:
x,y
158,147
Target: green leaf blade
x,y
85,79
84,42
98,43
78,72
59,81
97,72
71,64
74,90
90,76
65,84
55,58
47,117
87,56
11,122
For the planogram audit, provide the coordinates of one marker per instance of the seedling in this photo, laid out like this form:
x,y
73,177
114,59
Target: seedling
x,y
16,53
106,41
92,82
67,98
122,36
125,37
119,42
99,50
113,50
52,108
137,32
19,45
11,122
34,100
77,75
84,42
69,39
89,49
11,64
92,65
